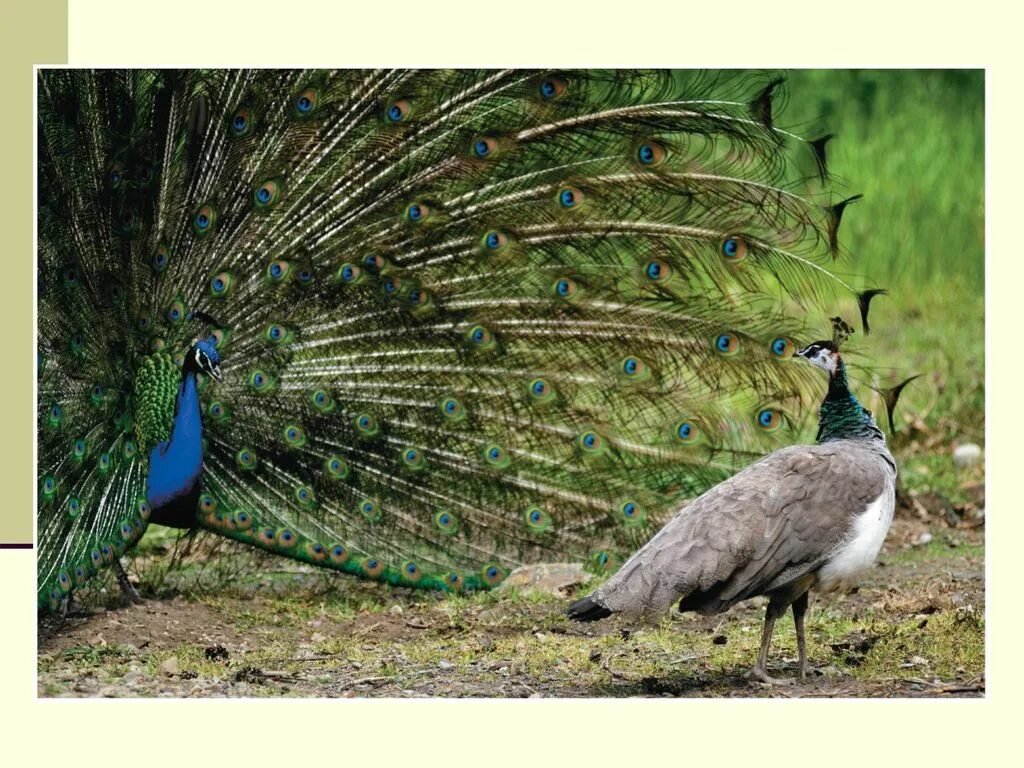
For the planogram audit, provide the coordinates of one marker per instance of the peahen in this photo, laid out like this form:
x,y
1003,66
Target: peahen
x,y
416,326
801,518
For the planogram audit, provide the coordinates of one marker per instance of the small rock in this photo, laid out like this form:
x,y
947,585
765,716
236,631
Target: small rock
x,y
445,664
171,666
924,539
552,578
108,693
966,455
396,610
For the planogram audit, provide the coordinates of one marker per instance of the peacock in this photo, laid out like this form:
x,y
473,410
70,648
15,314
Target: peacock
x,y
415,326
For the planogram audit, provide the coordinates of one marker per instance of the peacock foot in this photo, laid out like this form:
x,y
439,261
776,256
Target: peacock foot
x,y
130,594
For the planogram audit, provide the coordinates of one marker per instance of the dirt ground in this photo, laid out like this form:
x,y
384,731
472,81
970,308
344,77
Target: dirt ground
x,y
914,627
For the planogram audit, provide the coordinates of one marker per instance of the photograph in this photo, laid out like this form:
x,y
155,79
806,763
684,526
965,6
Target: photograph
x,y
454,383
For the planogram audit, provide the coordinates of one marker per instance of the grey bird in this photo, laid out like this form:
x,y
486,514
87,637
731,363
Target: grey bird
x,y
804,517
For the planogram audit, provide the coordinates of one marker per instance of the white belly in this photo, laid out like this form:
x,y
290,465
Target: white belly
x,y
859,549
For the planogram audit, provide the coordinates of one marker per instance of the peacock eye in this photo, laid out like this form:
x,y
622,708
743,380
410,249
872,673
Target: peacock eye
x,y
727,344
651,154
552,88
734,249
399,111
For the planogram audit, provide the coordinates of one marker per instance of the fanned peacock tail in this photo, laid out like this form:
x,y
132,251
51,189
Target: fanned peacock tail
x,y
466,319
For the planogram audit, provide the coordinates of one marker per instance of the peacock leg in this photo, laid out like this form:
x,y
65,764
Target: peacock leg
x,y
127,589
760,670
799,610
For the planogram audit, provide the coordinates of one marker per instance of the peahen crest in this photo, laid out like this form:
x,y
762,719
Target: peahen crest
x,y
465,319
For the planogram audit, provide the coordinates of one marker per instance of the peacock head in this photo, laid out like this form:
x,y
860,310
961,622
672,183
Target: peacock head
x,y
203,357
822,354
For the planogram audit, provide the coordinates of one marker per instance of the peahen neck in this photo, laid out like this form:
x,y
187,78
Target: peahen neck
x,y
176,465
841,416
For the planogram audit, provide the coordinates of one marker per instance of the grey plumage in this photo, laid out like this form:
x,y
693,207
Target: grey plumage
x,y
802,518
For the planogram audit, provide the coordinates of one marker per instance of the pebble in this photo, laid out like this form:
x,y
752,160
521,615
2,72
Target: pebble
x,y
171,666
551,578
966,455
445,664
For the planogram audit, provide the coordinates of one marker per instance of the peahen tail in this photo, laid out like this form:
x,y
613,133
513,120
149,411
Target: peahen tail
x,y
464,319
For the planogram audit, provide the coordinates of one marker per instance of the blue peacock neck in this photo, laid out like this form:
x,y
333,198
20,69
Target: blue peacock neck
x,y
841,416
176,465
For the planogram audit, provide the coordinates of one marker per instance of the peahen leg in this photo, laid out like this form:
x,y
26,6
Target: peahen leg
x,y
127,589
760,670
799,610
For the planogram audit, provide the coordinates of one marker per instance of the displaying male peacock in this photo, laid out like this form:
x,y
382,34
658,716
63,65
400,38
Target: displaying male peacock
x,y
417,326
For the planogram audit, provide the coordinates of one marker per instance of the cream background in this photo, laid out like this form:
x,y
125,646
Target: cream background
x,y
496,733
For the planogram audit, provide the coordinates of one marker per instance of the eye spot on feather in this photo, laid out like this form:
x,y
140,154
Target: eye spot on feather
x,y
633,369
279,270
590,443
651,154
565,288
260,381
540,390
570,198
49,486
54,415
413,458
316,551
484,147
657,271
452,408
769,419
687,432
552,88
337,468
492,574
242,520
205,220
305,103
782,348
338,554
604,561
367,425
537,520
128,450
241,123
454,581
372,567
77,344
305,496
267,537
294,436
267,194
496,456
727,344
734,249
161,258
349,274
494,241
73,507
322,400
417,212
370,509
286,539
446,522
399,111
411,571
176,312
64,582
632,513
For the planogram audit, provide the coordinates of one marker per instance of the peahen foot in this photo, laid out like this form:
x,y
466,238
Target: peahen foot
x,y
757,672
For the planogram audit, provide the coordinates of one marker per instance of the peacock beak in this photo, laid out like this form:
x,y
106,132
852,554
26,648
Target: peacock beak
x,y
215,372
804,353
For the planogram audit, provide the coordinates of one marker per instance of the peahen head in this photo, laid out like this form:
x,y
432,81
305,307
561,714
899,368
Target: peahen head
x,y
203,357
822,354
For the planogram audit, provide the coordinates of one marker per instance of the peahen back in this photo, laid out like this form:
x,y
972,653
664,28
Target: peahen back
x,y
466,319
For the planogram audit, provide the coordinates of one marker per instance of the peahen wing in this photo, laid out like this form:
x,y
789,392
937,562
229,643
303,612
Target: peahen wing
x,y
467,318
